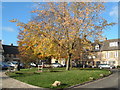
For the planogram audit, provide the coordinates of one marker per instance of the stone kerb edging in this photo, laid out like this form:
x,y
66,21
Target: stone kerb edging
x,y
90,81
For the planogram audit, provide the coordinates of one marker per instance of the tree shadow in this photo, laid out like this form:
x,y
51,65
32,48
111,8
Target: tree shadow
x,y
90,69
56,71
19,73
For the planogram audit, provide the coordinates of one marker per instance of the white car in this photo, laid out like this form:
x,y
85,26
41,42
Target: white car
x,y
101,66
33,64
57,65
13,63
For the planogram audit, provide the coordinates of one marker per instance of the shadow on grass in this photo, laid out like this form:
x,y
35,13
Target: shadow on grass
x,y
19,73
90,69
56,71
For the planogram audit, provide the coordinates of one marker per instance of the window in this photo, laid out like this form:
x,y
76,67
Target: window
x,y
111,62
112,55
97,47
118,43
113,44
7,55
116,53
14,56
106,55
56,61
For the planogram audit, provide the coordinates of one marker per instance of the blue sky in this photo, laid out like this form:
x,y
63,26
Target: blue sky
x,y
21,11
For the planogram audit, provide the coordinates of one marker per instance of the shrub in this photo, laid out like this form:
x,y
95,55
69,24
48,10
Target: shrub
x,y
118,66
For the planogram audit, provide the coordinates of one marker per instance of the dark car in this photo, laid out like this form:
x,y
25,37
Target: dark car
x,y
4,66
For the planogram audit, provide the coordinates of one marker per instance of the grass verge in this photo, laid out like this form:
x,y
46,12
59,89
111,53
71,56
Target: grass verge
x,y
46,78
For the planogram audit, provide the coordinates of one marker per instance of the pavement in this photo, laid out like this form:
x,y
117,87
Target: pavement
x,y
112,81
7,82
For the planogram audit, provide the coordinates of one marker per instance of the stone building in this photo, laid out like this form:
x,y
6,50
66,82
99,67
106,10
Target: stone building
x,y
1,51
108,52
10,52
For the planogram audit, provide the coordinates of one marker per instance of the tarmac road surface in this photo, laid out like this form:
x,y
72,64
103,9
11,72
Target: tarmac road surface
x,y
112,81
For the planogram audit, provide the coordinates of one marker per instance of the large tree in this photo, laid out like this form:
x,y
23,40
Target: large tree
x,y
62,30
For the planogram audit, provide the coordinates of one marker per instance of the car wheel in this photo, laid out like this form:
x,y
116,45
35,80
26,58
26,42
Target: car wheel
x,y
110,67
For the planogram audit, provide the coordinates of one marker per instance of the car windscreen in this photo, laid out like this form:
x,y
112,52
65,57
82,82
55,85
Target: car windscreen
x,y
102,64
3,63
14,62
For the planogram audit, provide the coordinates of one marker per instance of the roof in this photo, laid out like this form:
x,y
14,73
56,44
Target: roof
x,y
106,45
8,49
1,49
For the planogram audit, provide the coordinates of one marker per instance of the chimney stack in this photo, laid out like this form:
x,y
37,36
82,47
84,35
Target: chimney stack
x,y
105,38
11,44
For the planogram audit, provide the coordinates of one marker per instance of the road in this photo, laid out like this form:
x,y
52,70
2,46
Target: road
x,y
112,81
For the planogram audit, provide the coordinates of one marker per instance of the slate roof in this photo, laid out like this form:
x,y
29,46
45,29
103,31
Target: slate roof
x,y
106,45
8,49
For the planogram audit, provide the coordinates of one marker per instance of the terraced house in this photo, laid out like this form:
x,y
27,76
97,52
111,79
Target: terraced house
x,y
10,53
108,52
1,51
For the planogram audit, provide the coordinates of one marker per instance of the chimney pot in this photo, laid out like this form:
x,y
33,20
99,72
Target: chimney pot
x,y
11,44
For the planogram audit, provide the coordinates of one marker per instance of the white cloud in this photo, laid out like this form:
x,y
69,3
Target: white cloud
x,y
9,29
114,12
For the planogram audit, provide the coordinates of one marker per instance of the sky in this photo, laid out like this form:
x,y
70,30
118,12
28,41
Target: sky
x,y
21,11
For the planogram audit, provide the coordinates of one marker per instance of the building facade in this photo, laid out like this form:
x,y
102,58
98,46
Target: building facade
x,y
1,52
108,52
10,53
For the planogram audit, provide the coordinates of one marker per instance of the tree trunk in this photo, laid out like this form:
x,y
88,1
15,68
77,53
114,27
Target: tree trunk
x,y
18,67
68,62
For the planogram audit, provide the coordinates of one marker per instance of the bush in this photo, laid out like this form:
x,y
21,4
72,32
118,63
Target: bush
x,y
118,66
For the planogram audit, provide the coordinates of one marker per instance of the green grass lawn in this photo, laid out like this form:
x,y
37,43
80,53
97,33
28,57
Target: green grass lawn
x,y
46,79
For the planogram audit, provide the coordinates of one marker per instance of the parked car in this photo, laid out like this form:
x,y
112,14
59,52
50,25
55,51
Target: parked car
x,y
13,63
101,66
56,65
4,66
22,65
45,65
33,65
